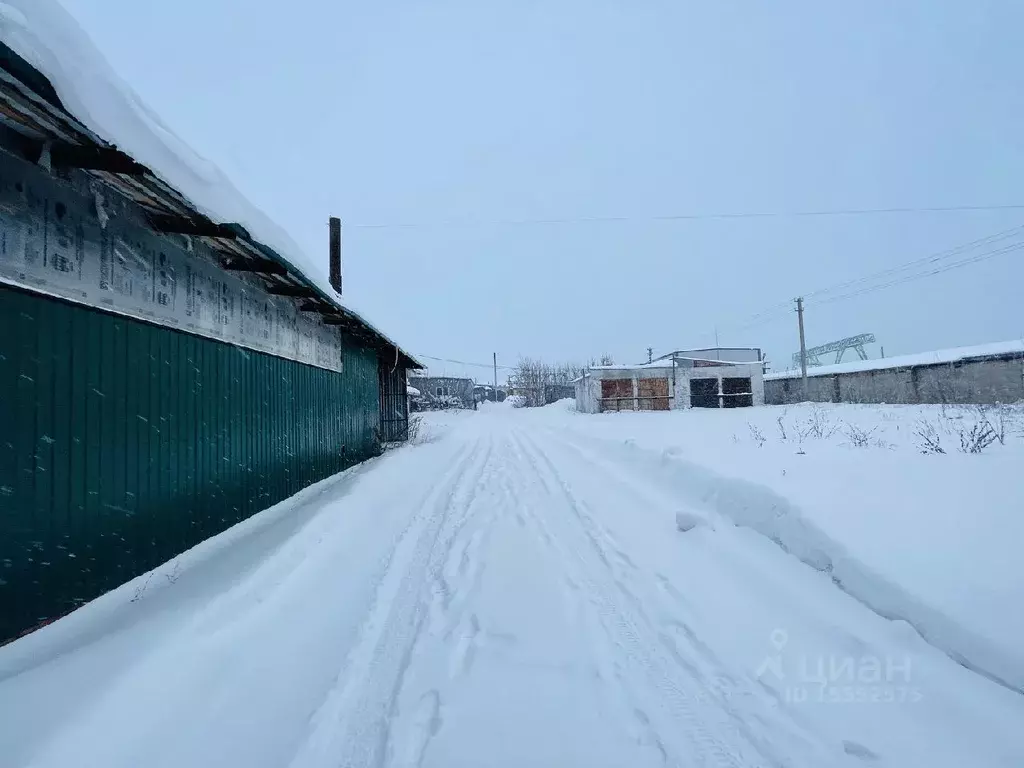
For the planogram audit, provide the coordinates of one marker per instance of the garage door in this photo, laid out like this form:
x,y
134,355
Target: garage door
x,y
736,393
704,393
617,395
653,394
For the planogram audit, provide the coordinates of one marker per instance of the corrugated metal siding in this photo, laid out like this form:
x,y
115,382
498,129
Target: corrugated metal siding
x,y
123,444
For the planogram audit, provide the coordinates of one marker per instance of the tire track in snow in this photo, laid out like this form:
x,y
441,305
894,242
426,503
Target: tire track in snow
x,y
741,698
407,744
445,651
709,737
606,648
352,726
454,576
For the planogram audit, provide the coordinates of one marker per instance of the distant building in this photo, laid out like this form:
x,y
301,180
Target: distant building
x,y
555,392
487,393
544,394
671,383
438,392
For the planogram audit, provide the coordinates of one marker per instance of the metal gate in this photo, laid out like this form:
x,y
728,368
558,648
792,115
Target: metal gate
x,y
394,402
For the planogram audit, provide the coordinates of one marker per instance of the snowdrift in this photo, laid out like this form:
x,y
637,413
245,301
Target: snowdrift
x,y
759,508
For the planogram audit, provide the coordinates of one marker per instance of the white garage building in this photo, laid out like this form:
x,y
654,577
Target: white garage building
x,y
676,381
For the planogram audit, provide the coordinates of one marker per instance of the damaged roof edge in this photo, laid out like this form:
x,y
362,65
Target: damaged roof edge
x,y
40,86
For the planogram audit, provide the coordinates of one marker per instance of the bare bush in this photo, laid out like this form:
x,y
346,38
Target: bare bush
x,y
977,437
859,437
416,431
929,440
1017,420
415,435
1001,417
820,426
974,429
781,421
756,434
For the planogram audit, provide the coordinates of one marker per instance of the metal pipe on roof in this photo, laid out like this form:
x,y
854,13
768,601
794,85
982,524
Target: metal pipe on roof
x,y
335,266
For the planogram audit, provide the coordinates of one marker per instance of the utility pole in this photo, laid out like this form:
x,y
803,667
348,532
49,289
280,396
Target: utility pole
x,y
650,354
803,344
495,377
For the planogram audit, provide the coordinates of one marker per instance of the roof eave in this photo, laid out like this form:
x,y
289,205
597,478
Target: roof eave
x,y
43,119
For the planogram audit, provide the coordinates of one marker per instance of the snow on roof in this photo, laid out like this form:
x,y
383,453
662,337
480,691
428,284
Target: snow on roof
x,y
49,39
712,353
623,367
412,391
661,363
716,361
904,361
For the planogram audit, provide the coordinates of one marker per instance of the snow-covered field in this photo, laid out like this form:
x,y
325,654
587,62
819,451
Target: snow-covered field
x,y
515,590
854,490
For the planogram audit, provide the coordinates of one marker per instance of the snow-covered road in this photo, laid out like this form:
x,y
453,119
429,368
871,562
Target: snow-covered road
x,y
508,594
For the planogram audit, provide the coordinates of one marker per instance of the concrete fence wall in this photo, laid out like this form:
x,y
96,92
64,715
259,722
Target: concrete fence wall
x,y
997,380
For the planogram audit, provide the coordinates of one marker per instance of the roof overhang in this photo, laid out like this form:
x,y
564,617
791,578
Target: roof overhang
x,y
35,126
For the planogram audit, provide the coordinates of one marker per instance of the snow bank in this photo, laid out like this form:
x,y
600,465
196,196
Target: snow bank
x,y
686,521
756,507
218,559
564,404
931,539
46,36
903,361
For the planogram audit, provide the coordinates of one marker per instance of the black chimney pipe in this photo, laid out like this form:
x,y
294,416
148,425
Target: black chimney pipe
x,y
335,224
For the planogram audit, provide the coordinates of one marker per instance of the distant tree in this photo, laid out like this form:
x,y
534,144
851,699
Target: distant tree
x,y
530,378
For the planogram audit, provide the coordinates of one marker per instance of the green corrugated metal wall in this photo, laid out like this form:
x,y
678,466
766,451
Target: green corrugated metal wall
x,y
123,444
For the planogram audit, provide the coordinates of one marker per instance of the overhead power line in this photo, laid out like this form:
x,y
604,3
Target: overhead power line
x,y
930,259
463,362
922,267
1012,247
760,318
451,223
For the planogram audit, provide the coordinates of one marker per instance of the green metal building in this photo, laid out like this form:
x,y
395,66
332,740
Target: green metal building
x,y
162,375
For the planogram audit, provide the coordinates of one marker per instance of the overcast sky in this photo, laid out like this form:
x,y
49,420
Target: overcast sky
x,y
460,117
